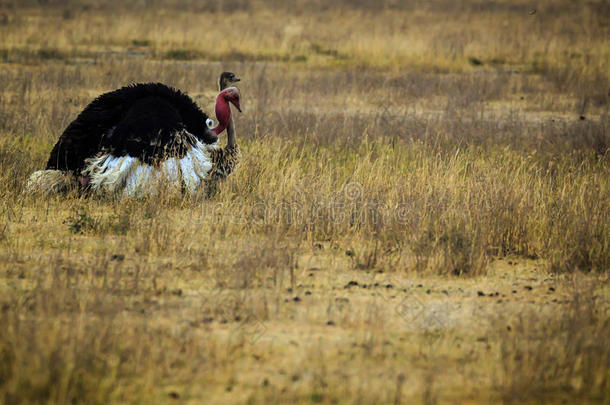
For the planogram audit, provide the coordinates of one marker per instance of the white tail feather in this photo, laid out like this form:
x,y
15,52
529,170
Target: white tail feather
x,y
145,179
115,180
50,181
201,159
189,176
108,172
134,178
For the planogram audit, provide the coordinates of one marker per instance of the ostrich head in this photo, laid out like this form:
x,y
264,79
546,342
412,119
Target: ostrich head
x,y
223,109
226,79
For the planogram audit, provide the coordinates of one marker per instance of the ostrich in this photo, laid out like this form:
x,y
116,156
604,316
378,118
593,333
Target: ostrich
x,y
228,158
134,139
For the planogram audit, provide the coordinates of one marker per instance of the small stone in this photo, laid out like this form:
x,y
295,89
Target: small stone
x,y
330,323
296,299
480,293
475,61
307,292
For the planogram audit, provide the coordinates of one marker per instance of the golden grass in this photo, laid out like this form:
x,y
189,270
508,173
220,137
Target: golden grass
x,y
420,216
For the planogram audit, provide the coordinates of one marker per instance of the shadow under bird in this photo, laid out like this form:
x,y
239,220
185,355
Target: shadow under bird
x,y
134,140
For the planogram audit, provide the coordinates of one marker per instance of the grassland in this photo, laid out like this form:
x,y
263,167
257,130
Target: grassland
x,y
421,215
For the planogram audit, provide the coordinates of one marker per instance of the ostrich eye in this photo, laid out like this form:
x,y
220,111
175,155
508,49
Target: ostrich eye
x,y
210,123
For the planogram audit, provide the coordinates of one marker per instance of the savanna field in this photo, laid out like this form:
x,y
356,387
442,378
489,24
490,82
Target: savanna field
x,y
421,215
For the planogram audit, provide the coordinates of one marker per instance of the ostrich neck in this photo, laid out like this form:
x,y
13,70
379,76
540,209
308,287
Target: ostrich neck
x,y
230,126
231,131
223,114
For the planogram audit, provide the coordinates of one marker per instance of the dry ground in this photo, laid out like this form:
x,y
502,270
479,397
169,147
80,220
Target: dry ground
x,y
421,215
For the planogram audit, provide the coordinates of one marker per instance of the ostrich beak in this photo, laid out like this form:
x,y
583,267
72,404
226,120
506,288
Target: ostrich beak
x,y
236,104
235,79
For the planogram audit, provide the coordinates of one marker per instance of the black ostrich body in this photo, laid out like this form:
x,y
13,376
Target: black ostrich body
x,y
146,121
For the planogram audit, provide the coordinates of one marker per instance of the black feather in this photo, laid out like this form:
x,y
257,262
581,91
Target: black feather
x,y
146,121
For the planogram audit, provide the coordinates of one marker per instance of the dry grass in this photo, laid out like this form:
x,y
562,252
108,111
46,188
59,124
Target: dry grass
x,y
420,216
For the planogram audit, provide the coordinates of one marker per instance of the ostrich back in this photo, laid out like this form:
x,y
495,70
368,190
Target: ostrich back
x,y
145,121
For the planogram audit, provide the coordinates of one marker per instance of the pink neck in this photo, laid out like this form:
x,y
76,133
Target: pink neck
x,y
223,114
